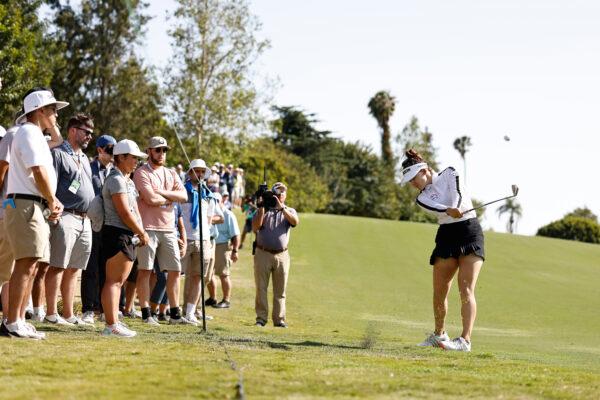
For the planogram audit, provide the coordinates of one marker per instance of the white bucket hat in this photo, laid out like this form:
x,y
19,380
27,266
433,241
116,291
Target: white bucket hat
x,y
127,146
197,163
410,172
36,100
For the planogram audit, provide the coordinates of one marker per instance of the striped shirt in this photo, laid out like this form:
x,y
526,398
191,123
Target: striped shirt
x,y
446,191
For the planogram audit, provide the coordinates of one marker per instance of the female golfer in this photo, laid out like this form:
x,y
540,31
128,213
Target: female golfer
x,y
122,228
458,245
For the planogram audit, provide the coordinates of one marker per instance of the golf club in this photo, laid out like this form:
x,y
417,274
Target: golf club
x,y
515,191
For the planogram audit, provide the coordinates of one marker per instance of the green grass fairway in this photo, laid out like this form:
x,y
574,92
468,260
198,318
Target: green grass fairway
x,y
359,299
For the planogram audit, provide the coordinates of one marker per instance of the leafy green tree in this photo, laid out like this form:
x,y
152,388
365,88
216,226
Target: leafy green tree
x,y
210,87
98,71
381,107
514,211
582,229
307,192
295,130
462,144
583,212
26,55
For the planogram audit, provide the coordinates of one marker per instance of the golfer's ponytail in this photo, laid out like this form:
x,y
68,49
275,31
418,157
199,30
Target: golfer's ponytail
x,y
412,158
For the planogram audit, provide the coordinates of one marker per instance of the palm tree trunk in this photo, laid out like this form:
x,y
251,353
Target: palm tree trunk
x,y
386,147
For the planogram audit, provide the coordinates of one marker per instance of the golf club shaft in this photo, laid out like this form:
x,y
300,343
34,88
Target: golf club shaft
x,y
487,204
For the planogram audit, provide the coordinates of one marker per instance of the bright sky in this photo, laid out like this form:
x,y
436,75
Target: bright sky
x,y
486,69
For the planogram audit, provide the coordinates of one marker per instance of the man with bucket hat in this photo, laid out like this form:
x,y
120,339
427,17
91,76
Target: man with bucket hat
x,y
159,187
30,201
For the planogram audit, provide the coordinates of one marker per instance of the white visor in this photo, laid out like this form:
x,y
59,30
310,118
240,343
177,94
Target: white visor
x,y
410,172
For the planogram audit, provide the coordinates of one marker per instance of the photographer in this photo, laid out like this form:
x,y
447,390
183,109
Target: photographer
x,y
271,224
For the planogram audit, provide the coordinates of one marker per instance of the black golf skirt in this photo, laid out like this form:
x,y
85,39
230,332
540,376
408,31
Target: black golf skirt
x,y
114,240
458,239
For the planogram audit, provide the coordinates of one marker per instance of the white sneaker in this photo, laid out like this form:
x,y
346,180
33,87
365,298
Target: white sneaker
x,y
118,330
208,317
458,344
150,321
39,316
434,340
77,321
16,330
192,319
182,320
33,333
133,313
88,317
57,319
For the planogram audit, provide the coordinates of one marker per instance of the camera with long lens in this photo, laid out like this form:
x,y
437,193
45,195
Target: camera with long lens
x,y
265,197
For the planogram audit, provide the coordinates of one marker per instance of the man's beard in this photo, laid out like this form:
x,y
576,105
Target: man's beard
x,y
155,161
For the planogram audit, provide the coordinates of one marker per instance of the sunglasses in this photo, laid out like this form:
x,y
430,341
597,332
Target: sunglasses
x,y
86,131
108,150
160,150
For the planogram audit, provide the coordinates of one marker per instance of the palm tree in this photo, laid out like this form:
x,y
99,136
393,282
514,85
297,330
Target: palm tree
x,y
462,145
381,107
514,210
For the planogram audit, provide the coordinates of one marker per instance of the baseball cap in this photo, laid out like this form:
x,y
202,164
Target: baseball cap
x,y
127,146
157,141
105,140
410,172
36,100
278,187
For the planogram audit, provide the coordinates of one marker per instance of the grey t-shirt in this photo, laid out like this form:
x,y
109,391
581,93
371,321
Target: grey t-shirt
x,y
74,186
5,156
116,182
274,234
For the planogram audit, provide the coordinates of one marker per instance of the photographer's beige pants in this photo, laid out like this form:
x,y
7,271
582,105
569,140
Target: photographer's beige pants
x,y
265,265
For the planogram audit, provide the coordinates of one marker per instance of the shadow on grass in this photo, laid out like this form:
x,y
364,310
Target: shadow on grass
x,y
288,345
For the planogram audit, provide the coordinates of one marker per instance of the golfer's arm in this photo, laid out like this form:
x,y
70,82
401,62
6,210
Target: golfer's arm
x,y
235,242
40,175
454,186
431,206
55,137
181,229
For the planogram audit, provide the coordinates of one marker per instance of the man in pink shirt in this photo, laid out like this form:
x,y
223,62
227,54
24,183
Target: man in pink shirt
x,y
159,187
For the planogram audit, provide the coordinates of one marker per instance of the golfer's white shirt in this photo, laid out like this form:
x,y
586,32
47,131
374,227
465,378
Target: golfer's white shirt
x,y
446,191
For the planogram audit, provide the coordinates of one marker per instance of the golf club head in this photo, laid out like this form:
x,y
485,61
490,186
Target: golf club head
x,y
515,190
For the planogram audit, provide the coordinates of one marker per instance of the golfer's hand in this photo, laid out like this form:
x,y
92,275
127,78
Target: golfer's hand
x,y
234,256
454,212
279,205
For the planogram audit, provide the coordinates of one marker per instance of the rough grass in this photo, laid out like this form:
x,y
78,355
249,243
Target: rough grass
x,y
358,300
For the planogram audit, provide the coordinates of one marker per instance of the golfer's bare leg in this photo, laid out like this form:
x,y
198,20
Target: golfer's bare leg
x,y
67,290
443,272
27,292
5,291
194,290
211,285
130,290
19,283
467,279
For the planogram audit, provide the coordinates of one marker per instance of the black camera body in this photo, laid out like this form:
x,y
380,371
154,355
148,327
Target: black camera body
x,y
265,197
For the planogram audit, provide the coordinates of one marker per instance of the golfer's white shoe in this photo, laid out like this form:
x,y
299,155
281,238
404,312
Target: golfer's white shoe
x,y
434,340
77,321
192,319
181,320
150,321
32,332
458,344
38,316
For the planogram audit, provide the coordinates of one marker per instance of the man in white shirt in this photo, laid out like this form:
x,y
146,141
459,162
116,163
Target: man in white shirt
x,y
30,200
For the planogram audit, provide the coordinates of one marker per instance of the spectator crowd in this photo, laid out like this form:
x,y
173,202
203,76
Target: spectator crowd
x,y
125,227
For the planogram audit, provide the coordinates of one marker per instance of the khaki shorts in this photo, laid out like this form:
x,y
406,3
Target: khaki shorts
x,y
222,259
27,230
191,261
7,262
162,246
70,242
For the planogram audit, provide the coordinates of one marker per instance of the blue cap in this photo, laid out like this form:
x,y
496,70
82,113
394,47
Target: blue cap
x,y
105,140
